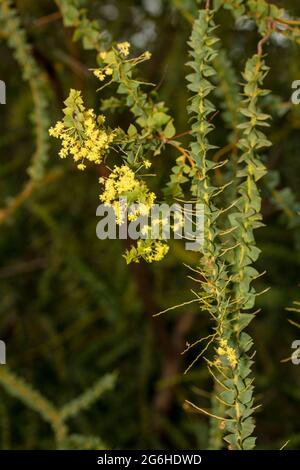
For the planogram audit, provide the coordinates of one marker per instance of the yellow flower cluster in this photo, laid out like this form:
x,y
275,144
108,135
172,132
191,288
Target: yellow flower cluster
x,y
228,351
124,48
122,182
113,61
149,250
82,133
101,74
154,252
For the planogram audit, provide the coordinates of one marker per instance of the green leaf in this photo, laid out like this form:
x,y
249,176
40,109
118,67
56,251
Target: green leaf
x,y
158,119
132,130
249,443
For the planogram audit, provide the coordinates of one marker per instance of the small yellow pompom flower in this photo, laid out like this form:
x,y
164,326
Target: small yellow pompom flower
x,y
225,350
99,74
149,250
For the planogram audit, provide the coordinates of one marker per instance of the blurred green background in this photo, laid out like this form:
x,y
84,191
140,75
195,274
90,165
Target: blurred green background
x,y
71,310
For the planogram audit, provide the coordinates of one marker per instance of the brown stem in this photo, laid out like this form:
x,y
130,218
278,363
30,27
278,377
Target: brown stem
x,y
264,40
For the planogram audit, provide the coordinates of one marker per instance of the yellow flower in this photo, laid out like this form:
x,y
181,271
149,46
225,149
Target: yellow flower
x,y
228,351
99,74
178,221
149,250
55,131
221,351
161,249
122,182
155,251
231,356
124,48
82,133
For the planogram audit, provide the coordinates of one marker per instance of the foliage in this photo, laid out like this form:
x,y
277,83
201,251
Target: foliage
x,y
57,418
225,144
